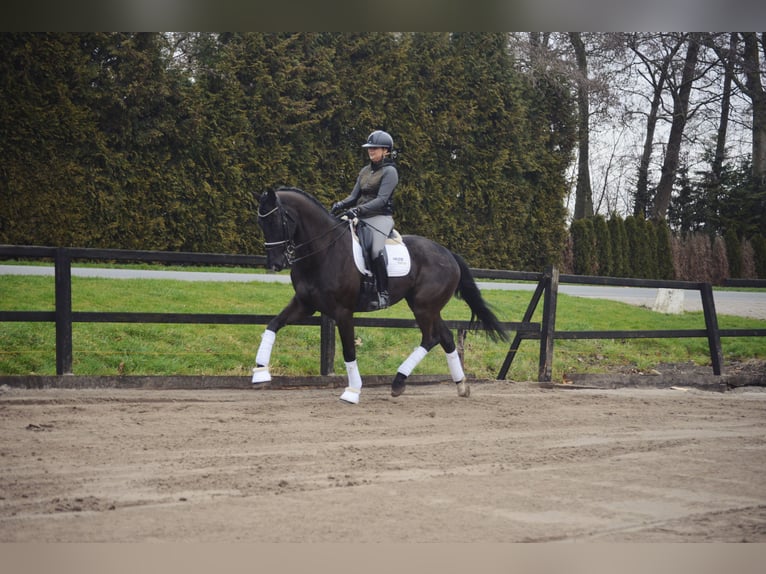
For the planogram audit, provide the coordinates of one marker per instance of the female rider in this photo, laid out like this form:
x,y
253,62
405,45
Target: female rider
x,y
371,202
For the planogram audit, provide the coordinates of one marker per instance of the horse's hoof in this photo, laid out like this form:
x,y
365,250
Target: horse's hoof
x,y
398,385
398,390
261,375
463,389
350,396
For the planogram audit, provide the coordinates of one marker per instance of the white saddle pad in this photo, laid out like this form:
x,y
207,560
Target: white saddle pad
x,y
396,251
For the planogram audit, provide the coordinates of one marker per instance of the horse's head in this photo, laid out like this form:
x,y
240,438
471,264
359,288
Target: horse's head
x,y
278,231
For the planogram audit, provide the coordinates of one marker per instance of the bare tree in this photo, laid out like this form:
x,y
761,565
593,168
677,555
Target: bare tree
x,y
723,125
680,115
755,90
747,61
583,191
656,54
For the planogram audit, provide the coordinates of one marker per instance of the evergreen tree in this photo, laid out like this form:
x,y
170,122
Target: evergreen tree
x,y
651,264
51,146
604,257
640,251
665,269
620,246
584,247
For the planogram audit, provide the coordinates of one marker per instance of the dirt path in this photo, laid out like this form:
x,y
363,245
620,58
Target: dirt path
x,y
512,463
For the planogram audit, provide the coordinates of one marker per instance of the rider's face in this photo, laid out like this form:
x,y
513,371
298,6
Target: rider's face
x,y
376,153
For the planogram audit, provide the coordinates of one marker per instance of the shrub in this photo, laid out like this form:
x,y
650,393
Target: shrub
x,y
719,267
733,252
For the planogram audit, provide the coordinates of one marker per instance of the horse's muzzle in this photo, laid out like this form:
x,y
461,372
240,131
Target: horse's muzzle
x,y
276,262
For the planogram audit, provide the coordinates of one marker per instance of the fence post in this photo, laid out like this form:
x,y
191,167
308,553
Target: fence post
x,y
711,326
548,327
63,287
511,354
326,345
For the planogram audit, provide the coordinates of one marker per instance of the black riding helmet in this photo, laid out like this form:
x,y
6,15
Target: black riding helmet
x,y
379,138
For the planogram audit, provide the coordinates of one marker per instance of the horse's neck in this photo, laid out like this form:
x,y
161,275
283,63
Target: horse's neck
x,y
320,234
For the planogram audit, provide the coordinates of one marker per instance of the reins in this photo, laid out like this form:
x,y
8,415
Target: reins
x,y
319,250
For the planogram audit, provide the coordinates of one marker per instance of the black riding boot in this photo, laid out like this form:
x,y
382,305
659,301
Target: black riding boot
x,y
381,279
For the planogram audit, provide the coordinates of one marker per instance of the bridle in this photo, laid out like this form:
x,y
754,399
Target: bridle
x,y
289,226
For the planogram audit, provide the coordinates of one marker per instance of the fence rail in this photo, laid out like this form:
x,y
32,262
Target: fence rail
x,y
547,289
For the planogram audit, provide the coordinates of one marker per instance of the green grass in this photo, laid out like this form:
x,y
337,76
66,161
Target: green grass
x,y
160,349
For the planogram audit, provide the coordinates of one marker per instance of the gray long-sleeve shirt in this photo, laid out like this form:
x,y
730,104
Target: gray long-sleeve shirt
x,y
374,189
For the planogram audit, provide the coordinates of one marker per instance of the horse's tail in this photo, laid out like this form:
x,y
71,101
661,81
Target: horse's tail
x,y
469,292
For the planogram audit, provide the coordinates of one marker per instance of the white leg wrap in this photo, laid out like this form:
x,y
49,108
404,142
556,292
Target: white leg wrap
x,y
412,361
351,394
455,368
261,374
354,378
264,351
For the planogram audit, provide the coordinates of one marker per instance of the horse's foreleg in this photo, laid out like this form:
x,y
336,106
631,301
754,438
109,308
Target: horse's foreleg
x,y
345,325
261,371
294,311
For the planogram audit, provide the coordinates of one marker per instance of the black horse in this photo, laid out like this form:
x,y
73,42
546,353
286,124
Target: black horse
x,y
300,233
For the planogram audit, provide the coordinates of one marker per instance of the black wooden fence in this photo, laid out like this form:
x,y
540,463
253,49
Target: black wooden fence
x,y
547,288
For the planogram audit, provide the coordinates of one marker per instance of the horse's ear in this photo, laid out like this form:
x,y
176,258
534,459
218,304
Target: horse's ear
x,y
266,193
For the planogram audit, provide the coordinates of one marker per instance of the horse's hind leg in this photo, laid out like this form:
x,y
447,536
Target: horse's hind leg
x,y
453,360
405,369
438,332
430,336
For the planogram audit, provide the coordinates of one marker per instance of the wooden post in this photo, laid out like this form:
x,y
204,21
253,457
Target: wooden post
x,y
516,343
711,326
63,290
548,328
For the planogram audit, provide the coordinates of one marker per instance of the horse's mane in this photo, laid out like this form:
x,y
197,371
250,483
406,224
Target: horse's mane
x,y
304,194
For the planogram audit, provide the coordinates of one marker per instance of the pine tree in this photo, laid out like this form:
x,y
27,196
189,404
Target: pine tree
x,y
620,246
665,269
584,247
604,257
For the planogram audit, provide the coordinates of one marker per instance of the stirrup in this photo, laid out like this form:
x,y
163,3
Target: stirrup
x,y
381,303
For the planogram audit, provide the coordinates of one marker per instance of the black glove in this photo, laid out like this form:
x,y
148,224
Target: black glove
x,y
337,207
352,213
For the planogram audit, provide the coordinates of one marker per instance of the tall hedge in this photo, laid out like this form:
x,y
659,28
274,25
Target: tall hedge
x,y
160,141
